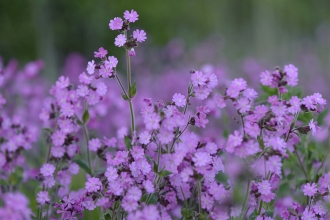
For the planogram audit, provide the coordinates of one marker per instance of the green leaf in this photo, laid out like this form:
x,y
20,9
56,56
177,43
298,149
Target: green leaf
x,y
164,173
284,189
85,117
253,215
187,213
221,177
270,213
155,167
132,90
152,200
269,91
128,143
305,117
82,164
124,97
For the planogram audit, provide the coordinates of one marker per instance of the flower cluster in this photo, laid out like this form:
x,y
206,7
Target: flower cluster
x,y
168,166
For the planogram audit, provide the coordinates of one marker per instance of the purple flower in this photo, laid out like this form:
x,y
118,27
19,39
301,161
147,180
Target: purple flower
x,y
82,90
201,120
116,24
42,197
198,78
105,72
101,88
149,186
319,208
94,144
179,100
144,137
295,105
243,105
91,67
111,62
73,168
308,215
47,170
264,187
62,82
129,205
89,204
310,189
120,40
111,174
291,74
220,101
202,159
2,160
93,184
140,35
131,16
58,138
100,53
57,152
266,78
134,194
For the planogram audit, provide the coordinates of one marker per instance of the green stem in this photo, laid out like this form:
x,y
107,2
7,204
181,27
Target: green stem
x,y
245,199
176,138
121,86
199,188
131,109
301,164
87,143
260,207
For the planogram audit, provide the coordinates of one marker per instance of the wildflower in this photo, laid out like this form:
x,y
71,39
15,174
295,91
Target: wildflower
x,y
101,88
62,82
93,184
120,40
73,168
58,138
94,144
47,169
42,197
57,152
90,67
100,53
310,189
264,187
198,79
308,215
82,90
89,204
266,78
116,24
105,72
111,174
291,74
111,62
131,16
144,137
201,159
220,101
140,35
134,194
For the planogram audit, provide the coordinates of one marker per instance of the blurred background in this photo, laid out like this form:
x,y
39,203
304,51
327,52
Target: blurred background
x,y
275,32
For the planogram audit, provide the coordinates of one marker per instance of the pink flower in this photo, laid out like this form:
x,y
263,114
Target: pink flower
x,y
129,205
101,53
58,138
82,90
152,121
94,144
295,105
42,197
319,208
73,168
131,16
101,88
2,101
134,194
264,187
266,78
150,212
211,80
310,189
62,82
105,72
179,100
111,62
198,78
57,152
291,74
111,174
313,126
90,67
201,120
202,159
243,105
250,94
137,152
120,40
47,170
165,136
308,215
220,101
274,164
93,184
144,137
207,201
88,203
140,35
2,160
116,24
83,78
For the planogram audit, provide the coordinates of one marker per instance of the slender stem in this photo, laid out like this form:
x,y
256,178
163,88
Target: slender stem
x,y
301,164
131,109
128,65
199,188
121,85
260,207
176,138
245,199
87,143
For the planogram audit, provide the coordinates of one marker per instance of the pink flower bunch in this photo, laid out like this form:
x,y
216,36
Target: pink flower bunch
x,y
165,166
